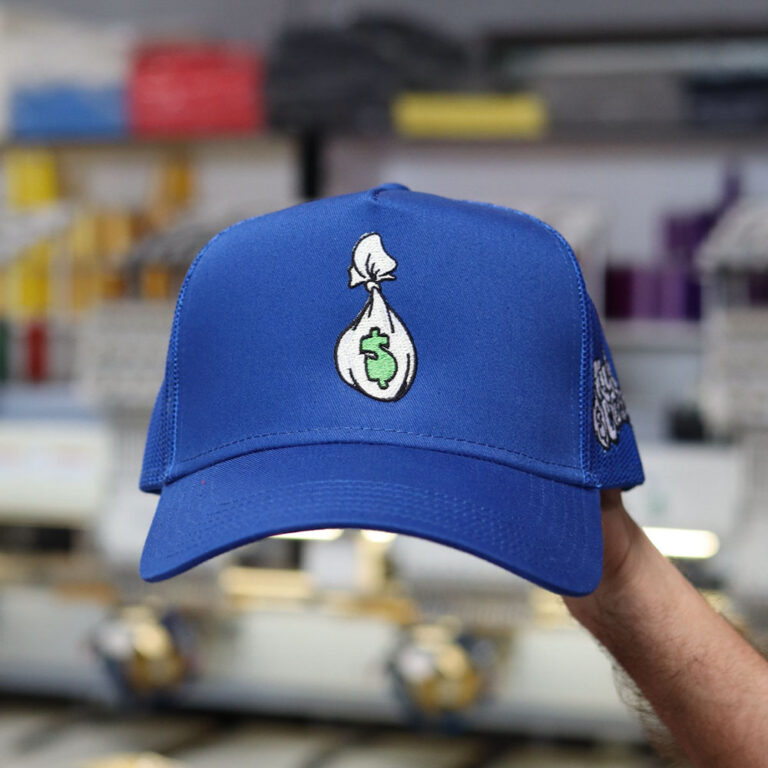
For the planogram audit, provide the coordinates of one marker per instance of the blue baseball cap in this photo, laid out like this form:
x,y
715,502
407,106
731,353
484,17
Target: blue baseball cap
x,y
396,361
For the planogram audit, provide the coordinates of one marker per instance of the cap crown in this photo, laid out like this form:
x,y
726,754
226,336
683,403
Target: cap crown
x,y
508,361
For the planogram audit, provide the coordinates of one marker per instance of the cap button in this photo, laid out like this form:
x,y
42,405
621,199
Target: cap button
x,y
388,187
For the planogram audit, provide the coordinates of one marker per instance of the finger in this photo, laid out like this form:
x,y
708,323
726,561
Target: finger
x,y
610,498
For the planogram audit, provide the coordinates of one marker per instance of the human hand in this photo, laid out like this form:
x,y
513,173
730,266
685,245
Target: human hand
x,y
626,550
702,679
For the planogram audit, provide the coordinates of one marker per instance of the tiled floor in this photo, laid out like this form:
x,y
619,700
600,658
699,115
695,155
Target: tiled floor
x,y
47,736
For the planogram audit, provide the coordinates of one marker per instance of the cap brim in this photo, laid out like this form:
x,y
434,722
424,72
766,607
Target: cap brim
x,y
546,531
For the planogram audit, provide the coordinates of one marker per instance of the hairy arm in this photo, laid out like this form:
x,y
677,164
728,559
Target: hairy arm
x,y
705,682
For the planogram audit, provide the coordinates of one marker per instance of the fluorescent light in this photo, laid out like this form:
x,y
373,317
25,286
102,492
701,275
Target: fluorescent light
x,y
684,543
378,537
324,534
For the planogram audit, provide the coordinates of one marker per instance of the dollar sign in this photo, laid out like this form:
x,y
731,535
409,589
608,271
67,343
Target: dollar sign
x,y
380,366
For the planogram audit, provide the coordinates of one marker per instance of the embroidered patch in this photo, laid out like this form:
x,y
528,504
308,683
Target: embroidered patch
x,y
375,354
608,410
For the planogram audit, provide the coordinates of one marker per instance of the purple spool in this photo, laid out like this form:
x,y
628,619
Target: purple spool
x,y
679,294
632,292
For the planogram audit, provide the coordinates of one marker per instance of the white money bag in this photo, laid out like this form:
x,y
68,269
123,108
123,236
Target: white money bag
x,y
375,354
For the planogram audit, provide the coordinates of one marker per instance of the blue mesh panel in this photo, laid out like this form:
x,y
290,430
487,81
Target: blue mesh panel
x,y
155,451
617,465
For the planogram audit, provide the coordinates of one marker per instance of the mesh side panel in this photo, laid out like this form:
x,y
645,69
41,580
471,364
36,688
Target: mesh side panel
x,y
617,465
153,467
159,450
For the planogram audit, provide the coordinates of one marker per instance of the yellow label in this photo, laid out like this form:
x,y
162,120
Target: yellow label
x,y
174,189
85,276
31,178
469,115
28,290
117,235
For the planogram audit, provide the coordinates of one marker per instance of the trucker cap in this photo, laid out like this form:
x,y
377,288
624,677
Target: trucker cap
x,y
389,360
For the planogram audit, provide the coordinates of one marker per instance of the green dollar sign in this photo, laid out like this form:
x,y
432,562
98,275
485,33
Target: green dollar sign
x,y
383,366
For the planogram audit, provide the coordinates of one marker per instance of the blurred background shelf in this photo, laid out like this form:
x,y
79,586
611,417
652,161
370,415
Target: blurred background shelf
x,y
159,142
597,135
654,335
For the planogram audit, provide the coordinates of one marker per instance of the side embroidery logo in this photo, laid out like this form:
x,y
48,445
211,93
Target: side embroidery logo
x,y
375,354
608,410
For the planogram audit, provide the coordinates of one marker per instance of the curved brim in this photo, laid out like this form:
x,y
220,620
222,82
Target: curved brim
x,y
546,531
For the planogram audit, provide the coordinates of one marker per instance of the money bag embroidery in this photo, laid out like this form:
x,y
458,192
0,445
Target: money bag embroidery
x,y
375,353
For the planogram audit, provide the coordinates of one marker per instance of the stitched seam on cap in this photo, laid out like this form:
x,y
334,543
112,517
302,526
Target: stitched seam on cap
x,y
173,352
570,257
175,333
316,485
457,510
375,429
581,290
